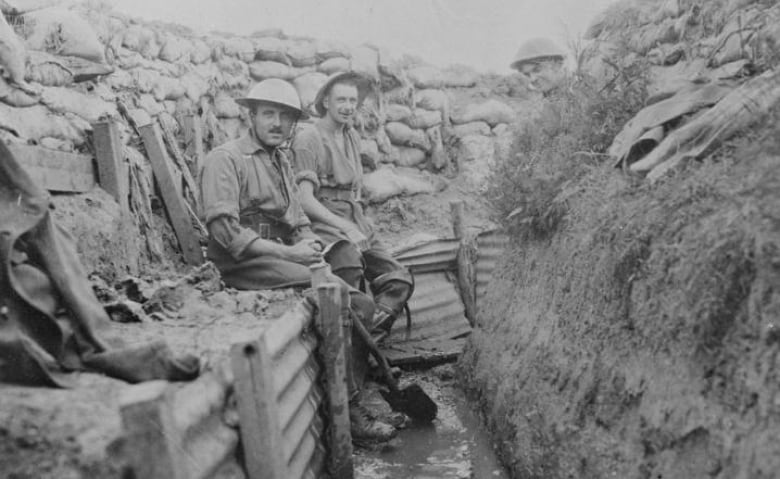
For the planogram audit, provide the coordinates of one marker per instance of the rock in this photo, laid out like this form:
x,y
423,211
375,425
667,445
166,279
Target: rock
x,y
388,182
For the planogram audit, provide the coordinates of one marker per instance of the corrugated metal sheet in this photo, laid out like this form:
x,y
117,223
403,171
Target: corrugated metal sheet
x,y
433,255
437,310
490,253
298,394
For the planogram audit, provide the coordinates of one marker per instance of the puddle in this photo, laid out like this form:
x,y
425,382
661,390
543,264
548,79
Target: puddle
x,y
455,446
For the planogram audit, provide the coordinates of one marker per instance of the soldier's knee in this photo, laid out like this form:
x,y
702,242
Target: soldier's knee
x,y
346,262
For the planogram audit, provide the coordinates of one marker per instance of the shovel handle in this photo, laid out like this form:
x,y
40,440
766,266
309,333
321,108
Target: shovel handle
x,y
392,382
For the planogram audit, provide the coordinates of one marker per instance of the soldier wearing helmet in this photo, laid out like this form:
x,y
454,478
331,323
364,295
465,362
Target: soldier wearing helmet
x,y
259,235
330,176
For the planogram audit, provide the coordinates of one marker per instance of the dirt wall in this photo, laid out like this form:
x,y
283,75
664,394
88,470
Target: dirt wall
x,y
641,340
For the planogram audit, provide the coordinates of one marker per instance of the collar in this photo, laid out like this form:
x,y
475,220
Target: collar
x,y
248,144
322,123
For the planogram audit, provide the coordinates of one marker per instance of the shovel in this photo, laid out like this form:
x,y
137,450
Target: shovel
x,y
411,400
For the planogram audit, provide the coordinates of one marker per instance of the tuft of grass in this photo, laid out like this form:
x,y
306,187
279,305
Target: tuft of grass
x,y
530,188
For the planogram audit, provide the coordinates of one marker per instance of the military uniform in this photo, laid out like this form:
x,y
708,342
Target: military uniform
x,y
333,166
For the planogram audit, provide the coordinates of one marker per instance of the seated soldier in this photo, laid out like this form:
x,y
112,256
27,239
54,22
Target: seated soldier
x,y
329,174
259,236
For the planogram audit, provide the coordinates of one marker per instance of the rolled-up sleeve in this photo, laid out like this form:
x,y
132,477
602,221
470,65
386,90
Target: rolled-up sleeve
x,y
305,153
220,191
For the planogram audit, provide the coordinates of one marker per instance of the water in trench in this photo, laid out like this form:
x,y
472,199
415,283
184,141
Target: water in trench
x,y
456,445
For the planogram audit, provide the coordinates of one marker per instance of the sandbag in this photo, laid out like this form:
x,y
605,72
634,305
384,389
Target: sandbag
x,y
458,76
37,121
166,88
170,107
491,112
66,100
64,32
175,49
271,49
136,37
382,141
432,100
119,80
473,128
308,85
45,69
302,53
388,182
476,147
149,104
13,96
18,7
237,47
369,153
200,51
260,70
13,54
56,144
425,76
194,86
406,156
225,106
438,153
327,50
423,119
401,135
396,112
144,80
365,60
334,65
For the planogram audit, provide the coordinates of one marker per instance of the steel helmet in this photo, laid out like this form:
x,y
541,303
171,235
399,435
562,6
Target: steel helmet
x,y
535,50
276,91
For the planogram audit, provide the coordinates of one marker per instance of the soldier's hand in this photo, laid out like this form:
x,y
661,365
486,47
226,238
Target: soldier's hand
x,y
357,237
308,251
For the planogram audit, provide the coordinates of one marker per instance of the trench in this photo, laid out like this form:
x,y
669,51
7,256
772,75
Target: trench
x,y
455,445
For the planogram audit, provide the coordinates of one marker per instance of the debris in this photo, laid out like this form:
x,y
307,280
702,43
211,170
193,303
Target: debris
x,y
126,311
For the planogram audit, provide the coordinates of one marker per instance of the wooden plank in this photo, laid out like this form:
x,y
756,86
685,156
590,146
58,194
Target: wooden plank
x,y
178,158
56,170
174,204
193,141
334,359
111,167
257,409
467,257
425,352
152,438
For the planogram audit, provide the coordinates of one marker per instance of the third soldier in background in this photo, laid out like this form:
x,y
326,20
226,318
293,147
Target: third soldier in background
x,y
329,173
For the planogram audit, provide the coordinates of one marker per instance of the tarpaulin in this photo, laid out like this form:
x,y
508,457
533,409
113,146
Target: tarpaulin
x,y
51,323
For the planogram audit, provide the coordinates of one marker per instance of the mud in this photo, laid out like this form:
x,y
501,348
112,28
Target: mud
x,y
455,445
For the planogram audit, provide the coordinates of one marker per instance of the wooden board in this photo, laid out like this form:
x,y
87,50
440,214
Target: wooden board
x,y
427,351
111,167
56,170
174,204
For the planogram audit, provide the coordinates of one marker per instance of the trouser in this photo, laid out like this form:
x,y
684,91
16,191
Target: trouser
x,y
266,272
391,284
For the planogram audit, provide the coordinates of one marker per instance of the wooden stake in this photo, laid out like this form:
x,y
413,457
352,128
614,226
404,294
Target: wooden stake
x,y
334,359
467,256
193,139
257,409
112,170
174,204
153,442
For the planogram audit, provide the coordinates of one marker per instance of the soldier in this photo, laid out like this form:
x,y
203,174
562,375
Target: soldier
x,y
329,175
259,236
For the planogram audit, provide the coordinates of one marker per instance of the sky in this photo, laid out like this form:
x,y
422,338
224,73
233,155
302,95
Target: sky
x,y
484,34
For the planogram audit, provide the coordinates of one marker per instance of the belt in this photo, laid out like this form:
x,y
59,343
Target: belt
x,y
332,193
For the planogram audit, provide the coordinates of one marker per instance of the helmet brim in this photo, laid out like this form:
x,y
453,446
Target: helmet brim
x,y
362,81
250,102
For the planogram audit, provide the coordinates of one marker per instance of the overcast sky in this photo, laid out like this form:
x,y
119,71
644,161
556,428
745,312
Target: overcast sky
x,y
482,33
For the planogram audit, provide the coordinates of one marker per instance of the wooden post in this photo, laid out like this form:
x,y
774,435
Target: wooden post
x,y
334,359
467,255
193,139
112,171
153,442
260,431
174,204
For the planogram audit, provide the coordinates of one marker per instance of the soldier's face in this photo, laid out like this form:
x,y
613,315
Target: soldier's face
x,y
342,102
272,123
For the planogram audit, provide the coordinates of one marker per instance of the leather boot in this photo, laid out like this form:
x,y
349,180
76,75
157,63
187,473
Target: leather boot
x,y
365,427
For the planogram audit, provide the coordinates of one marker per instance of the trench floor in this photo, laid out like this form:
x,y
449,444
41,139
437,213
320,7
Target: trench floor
x,y
455,445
